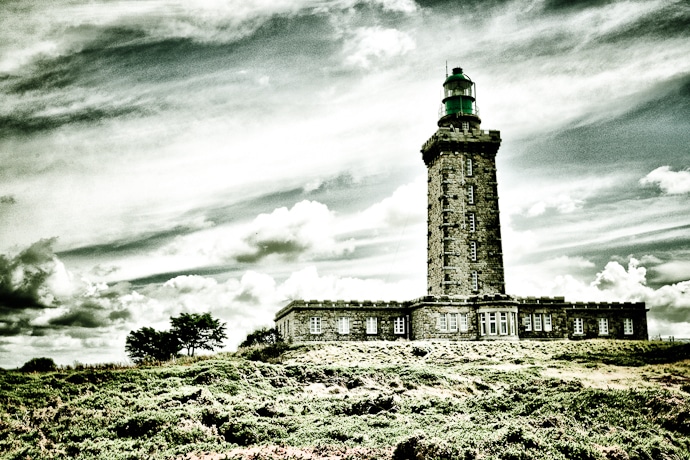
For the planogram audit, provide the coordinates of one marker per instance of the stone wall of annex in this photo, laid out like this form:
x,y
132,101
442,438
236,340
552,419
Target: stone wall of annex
x,y
294,324
422,319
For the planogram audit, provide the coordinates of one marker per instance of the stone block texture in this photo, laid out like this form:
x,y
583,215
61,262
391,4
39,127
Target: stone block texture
x,y
465,255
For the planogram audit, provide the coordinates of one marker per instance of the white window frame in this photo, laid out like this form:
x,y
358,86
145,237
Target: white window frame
x,y
578,326
470,194
465,125
493,324
482,323
503,323
527,322
513,320
473,251
372,325
469,164
399,325
343,325
472,222
315,325
443,323
628,326
548,326
475,281
603,326
463,324
537,321
452,322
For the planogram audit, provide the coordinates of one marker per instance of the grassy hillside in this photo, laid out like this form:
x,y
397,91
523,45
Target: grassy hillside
x,y
525,400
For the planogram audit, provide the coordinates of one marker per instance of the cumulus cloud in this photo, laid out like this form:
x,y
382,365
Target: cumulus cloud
x,y
37,293
669,305
308,284
562,203
369,45
32,278
670,182
406,205
308,228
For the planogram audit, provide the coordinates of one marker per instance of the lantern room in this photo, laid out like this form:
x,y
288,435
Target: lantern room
x,y
459,101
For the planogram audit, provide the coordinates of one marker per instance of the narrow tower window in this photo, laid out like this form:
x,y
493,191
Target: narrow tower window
x,y
475,281
470,194
471,222
469,166
473,251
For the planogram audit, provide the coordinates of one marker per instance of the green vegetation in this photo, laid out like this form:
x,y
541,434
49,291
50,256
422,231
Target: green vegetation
x,y
378,400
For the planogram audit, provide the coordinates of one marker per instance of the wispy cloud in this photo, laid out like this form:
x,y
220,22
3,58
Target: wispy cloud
x,y
670,182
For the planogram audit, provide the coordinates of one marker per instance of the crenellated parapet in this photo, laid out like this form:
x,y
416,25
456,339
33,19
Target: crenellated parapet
x,y
451,139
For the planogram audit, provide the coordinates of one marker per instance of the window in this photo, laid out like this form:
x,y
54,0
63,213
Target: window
x,y
578,326
547,322
469,166
513,320
627,326
463,322
492,323
372,325
603,326
475,281
503,324
537,321
442,323
473,251
470,194
315,325
453,322
527,322
465,125
471,222
343,325
399,325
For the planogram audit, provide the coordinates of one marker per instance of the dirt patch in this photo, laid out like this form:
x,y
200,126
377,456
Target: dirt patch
x,y
295,453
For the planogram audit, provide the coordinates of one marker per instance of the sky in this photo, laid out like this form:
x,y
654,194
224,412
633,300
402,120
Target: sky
x,y
225,156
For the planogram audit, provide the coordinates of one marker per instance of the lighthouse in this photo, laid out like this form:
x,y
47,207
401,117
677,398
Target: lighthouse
x,y
465,298
464,251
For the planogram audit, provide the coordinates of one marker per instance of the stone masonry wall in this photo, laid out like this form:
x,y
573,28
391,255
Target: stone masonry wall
x,y
385,313
463,220
425,321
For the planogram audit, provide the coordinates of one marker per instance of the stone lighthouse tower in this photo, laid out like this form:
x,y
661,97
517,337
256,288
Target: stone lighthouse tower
x,y
464,253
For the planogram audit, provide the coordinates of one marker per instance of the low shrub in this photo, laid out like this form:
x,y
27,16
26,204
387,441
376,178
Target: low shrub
x,y
270,353
39,365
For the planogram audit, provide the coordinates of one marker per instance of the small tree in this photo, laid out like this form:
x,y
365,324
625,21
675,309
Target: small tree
x,y
196,331
263,336
150,344
39,365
